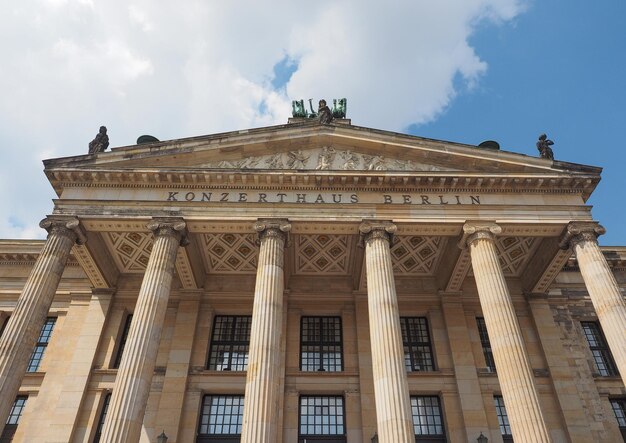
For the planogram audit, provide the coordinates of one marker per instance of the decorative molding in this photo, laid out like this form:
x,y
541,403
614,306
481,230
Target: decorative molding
x,y
478,230
323,254
514,253
325,158
372,229
230,253
460,271
577,232
416,255
90,267
130,250
272,228
184,270
65,226
174,227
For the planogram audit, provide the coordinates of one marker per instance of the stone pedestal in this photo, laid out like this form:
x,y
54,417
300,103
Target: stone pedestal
x,y
514,371
391,390
260,412
134,376
22,330
603,290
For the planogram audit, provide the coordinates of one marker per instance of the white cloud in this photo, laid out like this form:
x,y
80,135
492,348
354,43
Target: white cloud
x,y
181,69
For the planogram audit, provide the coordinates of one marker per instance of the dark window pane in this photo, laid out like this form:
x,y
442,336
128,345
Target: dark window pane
x,y
42,344
484,341
418,352
503,419
322,418
229,343
221,418
123,338
321,347
103,414
427,418
599,349
619,408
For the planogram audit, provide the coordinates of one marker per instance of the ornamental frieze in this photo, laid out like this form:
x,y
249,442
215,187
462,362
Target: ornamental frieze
x,y
322,159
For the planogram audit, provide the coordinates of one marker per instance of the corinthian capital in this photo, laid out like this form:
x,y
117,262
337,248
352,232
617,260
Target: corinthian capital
x,y
175,227
273,227
66,226
577,232
473,231
372,229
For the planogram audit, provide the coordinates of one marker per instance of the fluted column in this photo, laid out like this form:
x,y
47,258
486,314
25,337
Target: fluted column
x,y
20,335
260,412
512,363
134,376
391,389
603,290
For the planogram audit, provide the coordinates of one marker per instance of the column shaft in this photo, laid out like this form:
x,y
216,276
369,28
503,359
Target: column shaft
x,y
605,295
20,335
260,414
134,376
514,371
391,389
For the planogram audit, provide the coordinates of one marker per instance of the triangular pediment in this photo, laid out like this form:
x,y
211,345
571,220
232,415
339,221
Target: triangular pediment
x,y
313,147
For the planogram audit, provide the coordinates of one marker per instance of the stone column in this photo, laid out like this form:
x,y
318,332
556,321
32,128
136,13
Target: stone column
x,y
22,330
603,290
260,412
134,376
391,389
513,365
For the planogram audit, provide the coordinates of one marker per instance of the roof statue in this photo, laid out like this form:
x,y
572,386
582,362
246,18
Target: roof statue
x,y
543,145
324,114
100,142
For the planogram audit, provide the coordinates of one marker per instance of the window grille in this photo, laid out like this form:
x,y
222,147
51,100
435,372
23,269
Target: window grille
x,y
484,341
322,418
427,419
619,408
321,347
229,343
418,352
14,418
503,419
123,338
42,344
599,349
221,418
103,416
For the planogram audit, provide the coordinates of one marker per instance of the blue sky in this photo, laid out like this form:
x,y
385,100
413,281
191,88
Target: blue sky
x,y
560,69
460,70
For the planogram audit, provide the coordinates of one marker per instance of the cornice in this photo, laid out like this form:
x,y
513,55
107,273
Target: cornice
x,y
409,181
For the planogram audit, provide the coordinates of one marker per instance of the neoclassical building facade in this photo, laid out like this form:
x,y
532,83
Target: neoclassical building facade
x,y
314,282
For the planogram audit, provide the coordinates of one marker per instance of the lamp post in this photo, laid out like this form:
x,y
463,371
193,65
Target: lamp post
x,y
482,439
162,438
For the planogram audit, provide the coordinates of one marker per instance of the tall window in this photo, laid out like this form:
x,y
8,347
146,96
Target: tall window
x,y
484,341
42,344
503,419
322,418
321,344
221,418
427,419
122,344
418,353
619,408
103,416
599,349
229,343
14,419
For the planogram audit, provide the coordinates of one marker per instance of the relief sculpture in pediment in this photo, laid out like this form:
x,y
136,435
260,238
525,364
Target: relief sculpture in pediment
x,y
326,158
